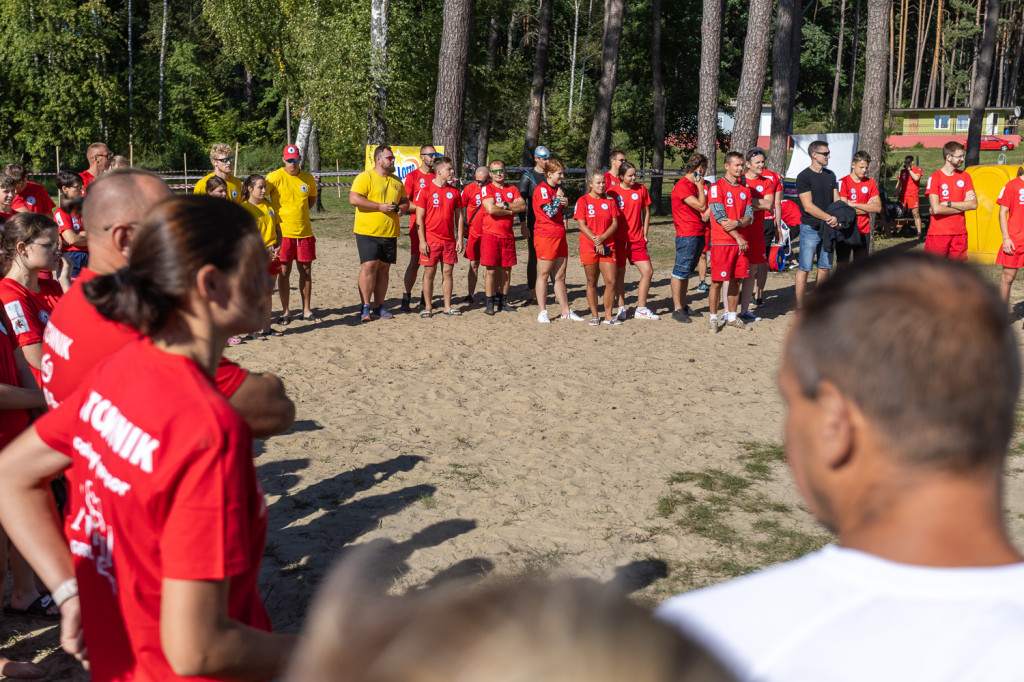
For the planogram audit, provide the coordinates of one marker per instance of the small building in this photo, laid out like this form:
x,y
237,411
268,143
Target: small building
x,y
726,121
934,127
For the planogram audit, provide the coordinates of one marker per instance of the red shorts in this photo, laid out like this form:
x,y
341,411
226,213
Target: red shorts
x,y
550,248
414,242
755,254
473,247
951,246
302,250
497,252
911,201
726,263
637,251
274,266
1015,261
588,256
439,251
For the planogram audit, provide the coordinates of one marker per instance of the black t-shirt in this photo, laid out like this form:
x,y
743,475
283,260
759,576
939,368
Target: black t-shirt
x,y
527,183
822,187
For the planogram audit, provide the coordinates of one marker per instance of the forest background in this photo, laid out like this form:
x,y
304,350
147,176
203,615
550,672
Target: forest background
x,y
170,77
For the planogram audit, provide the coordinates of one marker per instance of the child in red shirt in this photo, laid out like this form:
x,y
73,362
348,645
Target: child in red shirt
x,y
598,217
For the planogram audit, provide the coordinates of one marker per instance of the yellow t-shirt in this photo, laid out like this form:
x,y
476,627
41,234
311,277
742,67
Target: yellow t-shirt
x,y
290,193
266,220
382,191
234,188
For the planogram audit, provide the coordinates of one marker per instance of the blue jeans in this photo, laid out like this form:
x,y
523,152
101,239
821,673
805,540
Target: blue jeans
x,y
688,253
810,245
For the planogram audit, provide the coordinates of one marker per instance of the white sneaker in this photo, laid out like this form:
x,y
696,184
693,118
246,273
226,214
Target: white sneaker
x,y
644,314
571,316
542,317
623,312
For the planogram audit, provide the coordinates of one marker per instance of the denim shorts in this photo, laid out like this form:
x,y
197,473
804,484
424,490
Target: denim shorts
x,y
688,253
810,245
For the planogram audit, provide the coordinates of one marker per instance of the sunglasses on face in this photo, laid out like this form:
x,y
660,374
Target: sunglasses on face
x,y
432,155
291,160
498,171
228,159
389,158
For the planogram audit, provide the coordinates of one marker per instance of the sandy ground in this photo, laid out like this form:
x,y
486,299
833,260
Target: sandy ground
x,y
479,445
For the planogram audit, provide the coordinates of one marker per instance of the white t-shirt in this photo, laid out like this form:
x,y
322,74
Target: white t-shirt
x,y
841,614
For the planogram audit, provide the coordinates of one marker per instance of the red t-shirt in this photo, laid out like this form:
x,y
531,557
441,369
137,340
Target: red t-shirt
x,y
631,203
440,206
610,181
4,217
760,187
545,227
12,422
599,215
499,226
35,198
28,312
776,181
735,199
790,213
65,221
157,493
686,220
78,338
414,182
87,177
859,193
1012,197
948,188
910,186
473,204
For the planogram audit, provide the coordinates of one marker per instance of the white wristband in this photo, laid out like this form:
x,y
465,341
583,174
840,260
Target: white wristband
x,y
67,590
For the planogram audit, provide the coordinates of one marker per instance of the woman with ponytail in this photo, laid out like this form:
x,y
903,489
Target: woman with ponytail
x,y
167,522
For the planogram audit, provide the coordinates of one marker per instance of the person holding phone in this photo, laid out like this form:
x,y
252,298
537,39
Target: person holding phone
x,y
689,203
598,217
379,199
549,240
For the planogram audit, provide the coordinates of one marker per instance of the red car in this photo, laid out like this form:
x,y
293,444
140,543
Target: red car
x,y
992,142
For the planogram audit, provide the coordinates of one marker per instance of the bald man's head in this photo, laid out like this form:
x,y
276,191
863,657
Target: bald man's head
x,y
482,174
118,198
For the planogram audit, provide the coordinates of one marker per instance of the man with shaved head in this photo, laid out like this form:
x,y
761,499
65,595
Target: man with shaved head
x,y
900,380
473,207
77,336
98,155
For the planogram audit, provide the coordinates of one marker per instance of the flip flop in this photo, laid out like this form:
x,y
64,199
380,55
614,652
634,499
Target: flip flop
x,y
234,341
284,320
427,313
453,312
37,609
311,318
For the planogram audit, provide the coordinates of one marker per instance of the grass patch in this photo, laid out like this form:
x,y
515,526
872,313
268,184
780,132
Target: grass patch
x,y
668,504
706,521
758,456
712,480
428,500
469,476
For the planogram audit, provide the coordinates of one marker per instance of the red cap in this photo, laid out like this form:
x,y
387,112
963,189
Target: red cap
x,y
291,152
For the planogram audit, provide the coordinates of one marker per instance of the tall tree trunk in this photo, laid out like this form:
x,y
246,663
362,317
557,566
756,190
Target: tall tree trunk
x,y
839,59
658,94
303,133
586,49
856,39
1012,93
247,90
750,94
483,139
710,64
977,42
160,97
572,58
986,55
131,78
922,38
540,70
934,80
897,99
452,63
873,103
314,164
600,129
787,30
377,130
892,51
1001,51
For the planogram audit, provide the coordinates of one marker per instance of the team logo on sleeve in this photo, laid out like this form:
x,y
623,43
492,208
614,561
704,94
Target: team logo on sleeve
x,y
16,315
57,217
544,192
714,191
303,188
31,201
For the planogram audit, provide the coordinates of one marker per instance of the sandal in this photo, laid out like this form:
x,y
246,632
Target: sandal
x,y
426,313
311,318
453,312
234,340
284,320
258,336
614,321
594,322
37,609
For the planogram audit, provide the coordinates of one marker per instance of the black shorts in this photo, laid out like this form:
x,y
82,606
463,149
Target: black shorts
x,y
855,252
769,236
384,249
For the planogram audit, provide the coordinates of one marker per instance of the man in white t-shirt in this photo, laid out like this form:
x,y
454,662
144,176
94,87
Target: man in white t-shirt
x,y
900,378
